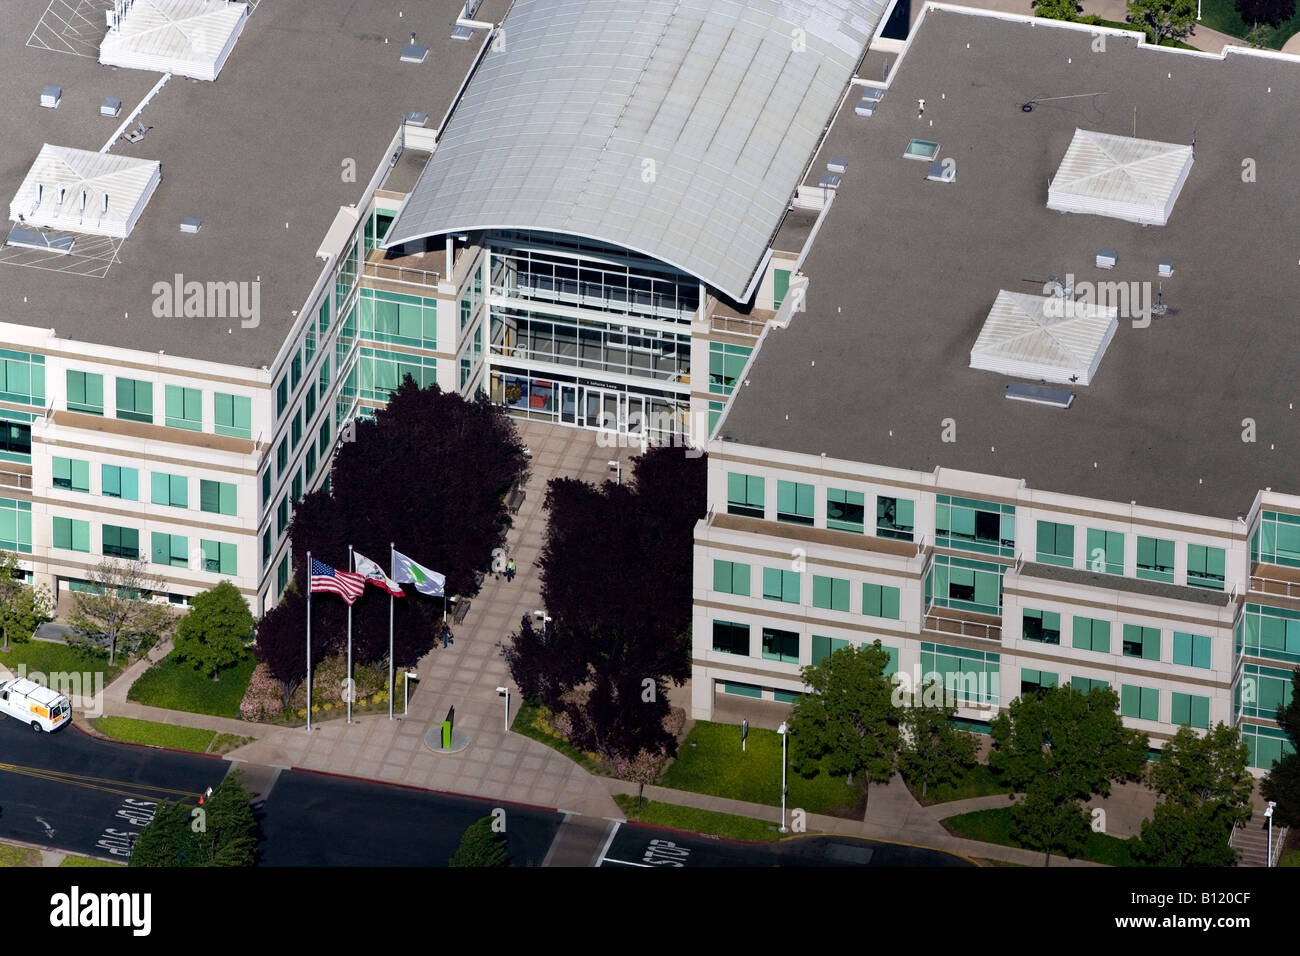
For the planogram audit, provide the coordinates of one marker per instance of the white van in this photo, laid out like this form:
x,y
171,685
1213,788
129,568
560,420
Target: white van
x,y
33,704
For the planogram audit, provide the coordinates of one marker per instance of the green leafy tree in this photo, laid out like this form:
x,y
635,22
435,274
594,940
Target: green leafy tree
x,y
223,833
1257,36
1163,19
165,839
1056,9
116,610
214,633
481,846
849,722
1050,817
1282,785
230,834
23,607
1061,747
934,751
1206,789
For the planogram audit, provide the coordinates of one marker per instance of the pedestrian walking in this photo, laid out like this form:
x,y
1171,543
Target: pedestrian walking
x,y
510,570
446,634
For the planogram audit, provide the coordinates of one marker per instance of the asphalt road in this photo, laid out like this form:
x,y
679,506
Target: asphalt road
x,y
316,820
638,846
85,795
77,793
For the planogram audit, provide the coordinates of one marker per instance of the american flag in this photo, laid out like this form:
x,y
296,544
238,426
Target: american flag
x,y
346,585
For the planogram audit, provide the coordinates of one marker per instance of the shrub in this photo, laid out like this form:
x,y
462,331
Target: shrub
x,y
262,699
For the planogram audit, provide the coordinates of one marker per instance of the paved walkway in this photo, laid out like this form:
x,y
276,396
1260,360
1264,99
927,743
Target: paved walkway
x,y
506,766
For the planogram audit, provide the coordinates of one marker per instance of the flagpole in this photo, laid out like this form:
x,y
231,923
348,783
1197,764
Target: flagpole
x,y
391,598
348,685
308,640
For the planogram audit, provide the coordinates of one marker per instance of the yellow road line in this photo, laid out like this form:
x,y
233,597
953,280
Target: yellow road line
x,y
102,784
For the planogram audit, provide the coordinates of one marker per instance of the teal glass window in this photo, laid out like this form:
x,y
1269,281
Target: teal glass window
x,y
1091,634
1041,626
1105,551
233,415
730,577
845,510
1155,559
120,482
880,600
1143,642
135,400
85,392
830,594
794,502
895,517
184,408
1056,544
745,495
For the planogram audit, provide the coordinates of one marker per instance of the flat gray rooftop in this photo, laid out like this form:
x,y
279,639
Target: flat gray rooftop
x,y
904,271
310,84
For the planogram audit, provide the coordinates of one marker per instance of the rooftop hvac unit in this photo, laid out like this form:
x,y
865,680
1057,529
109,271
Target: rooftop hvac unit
x,y
50,97
837,164
1166,268
1107,258
191,224
110,107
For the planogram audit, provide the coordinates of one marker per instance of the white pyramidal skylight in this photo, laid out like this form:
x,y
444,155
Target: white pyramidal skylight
x,y
187,37
76,190
1137,180
1044,338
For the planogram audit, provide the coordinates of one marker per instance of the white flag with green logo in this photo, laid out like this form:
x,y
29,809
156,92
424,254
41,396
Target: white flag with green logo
x,y
406,571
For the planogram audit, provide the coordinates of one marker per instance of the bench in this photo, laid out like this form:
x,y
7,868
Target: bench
x,y
459,610
515,500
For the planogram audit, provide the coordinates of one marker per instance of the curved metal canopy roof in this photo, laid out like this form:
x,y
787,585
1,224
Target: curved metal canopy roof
x,y
675,128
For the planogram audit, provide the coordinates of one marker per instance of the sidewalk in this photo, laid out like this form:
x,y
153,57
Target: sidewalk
x,y
506,766
912,827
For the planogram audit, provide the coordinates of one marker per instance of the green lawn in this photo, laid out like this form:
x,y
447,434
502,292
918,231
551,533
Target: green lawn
x,y
977,781
47,657
176,685
1222,15
1290,858
698,821
526,724
18,856
710,761
86,861
994,826
160,735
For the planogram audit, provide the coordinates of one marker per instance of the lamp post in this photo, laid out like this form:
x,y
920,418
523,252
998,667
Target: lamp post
x,y
1198,9
406,690
785,736
1268,815
505,692
616,467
